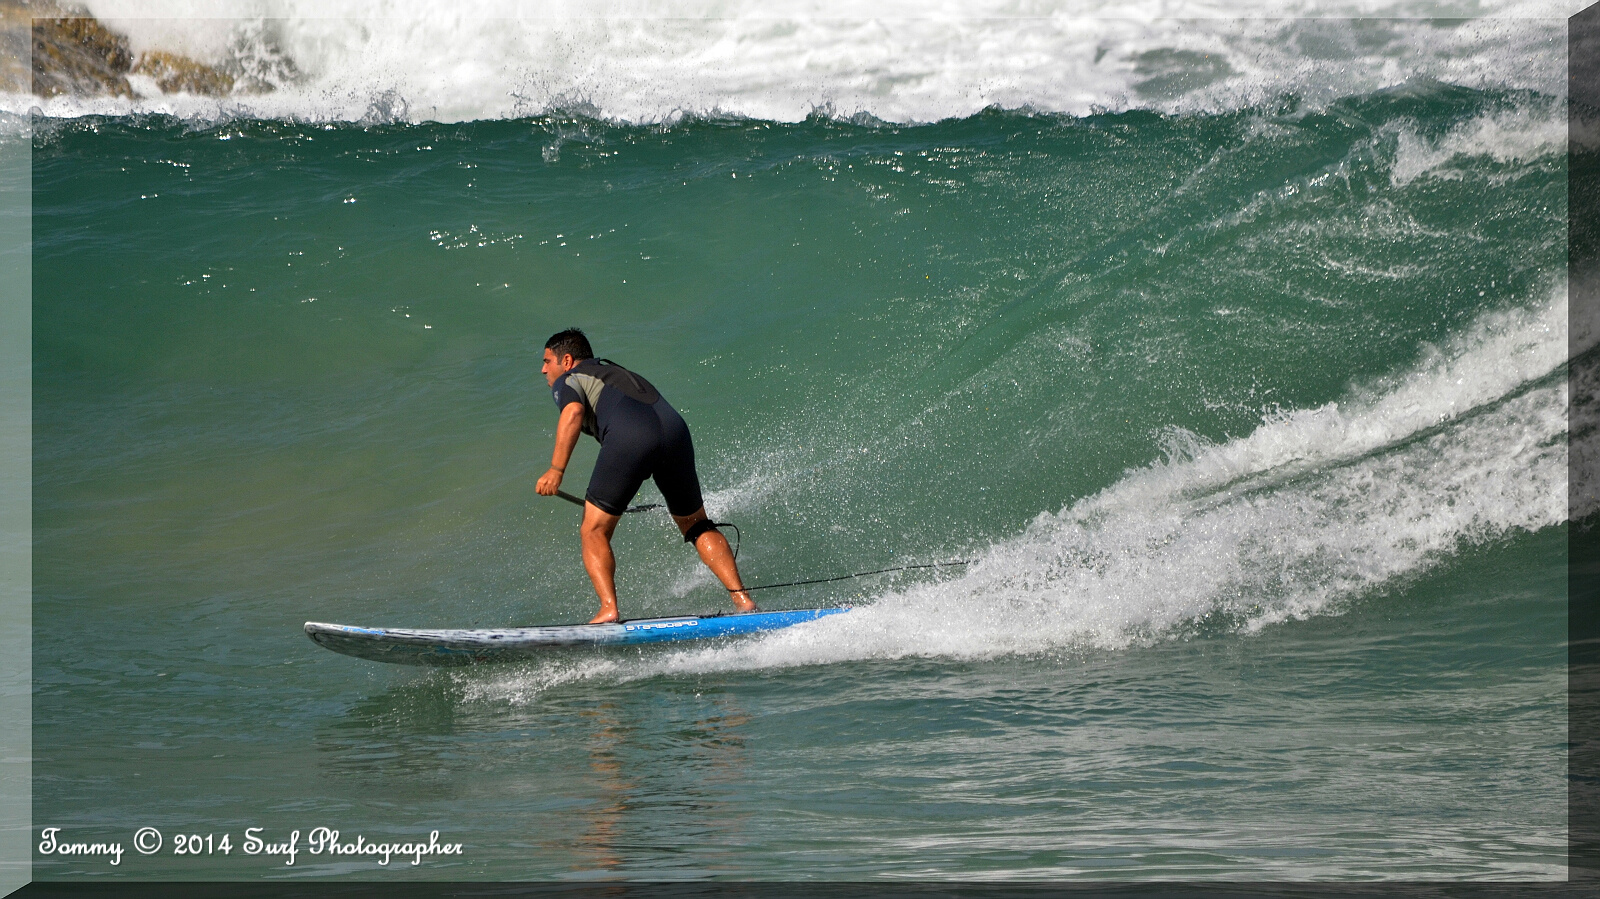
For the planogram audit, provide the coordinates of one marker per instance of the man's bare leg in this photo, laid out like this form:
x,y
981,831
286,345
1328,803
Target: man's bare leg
x,y
598,560
718,556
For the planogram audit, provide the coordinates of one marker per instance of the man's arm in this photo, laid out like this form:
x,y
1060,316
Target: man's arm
x,y
567,430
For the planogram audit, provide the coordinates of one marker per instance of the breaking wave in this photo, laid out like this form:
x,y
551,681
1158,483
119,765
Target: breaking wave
x,y
409,60
1315,509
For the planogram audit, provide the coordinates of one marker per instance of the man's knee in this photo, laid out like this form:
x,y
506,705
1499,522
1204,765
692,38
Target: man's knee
x,y
597,527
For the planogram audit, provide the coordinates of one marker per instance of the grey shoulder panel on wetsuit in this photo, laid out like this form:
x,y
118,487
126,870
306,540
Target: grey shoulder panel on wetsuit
x,y
591,376
610,374
588,388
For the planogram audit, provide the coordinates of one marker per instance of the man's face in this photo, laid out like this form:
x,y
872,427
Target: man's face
x,y
555,368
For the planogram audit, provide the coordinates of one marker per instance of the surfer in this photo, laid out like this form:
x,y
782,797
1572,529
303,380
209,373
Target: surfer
x,y
640,436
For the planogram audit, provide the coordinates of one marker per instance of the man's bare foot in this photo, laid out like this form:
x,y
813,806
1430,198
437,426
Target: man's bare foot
x,y
605,616
742,601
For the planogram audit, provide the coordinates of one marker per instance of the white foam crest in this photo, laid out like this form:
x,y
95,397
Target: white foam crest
x,y
1519,136
1313,510
1499,353
415,60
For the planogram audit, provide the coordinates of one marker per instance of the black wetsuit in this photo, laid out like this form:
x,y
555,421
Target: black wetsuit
x,y
641,436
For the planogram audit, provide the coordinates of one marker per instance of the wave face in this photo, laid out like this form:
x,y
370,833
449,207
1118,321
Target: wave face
x,y
1278,358
409,60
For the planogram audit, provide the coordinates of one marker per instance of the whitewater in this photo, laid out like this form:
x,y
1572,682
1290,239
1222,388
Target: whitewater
x,y
644,62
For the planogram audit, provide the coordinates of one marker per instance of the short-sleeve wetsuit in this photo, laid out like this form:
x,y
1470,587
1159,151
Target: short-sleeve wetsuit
x,y
641,436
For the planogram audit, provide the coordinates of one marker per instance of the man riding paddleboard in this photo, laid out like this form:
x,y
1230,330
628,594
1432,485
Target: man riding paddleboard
x,y
641,436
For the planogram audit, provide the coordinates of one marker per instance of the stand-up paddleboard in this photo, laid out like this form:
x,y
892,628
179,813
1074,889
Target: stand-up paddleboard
x,y
408,646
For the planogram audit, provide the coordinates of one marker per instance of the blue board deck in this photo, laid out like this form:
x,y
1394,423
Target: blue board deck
x,y
409,646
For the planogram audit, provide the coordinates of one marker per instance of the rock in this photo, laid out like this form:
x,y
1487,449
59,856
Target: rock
x,y
174,73
75,54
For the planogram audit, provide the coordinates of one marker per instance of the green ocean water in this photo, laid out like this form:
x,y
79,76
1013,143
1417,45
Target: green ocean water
x,y
1252,423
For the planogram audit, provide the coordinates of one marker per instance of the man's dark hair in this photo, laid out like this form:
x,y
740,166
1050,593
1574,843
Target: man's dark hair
x,y
570,342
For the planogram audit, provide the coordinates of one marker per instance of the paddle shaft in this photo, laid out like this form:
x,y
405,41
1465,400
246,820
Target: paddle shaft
x,y
578,502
